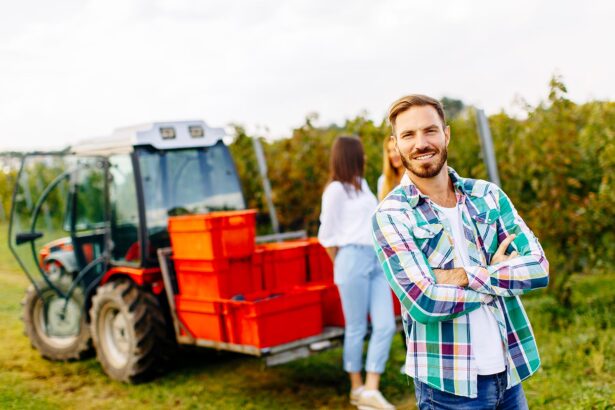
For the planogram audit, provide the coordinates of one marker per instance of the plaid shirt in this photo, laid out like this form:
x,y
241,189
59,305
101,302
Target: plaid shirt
x,y
412,238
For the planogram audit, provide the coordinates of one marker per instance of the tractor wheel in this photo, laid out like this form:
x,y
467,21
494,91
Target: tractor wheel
x,y
36,320
129,332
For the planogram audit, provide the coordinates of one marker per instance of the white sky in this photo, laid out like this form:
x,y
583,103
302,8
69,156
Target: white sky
x,y
73,69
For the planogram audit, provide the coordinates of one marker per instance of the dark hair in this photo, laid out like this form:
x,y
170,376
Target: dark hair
x,y
347,161
413,100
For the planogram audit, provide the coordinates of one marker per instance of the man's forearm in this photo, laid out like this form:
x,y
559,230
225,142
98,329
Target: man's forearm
x,y
455,277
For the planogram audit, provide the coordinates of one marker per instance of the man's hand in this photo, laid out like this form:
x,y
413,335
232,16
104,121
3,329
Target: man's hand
x,y
455,276
500,254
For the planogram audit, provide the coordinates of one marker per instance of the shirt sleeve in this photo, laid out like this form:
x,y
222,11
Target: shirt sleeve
x,y
529,270
411,278
330,214
379,186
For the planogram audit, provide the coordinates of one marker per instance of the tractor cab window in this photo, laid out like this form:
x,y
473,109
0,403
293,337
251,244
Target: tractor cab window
x,y
124,210
86,219
186,181
88,186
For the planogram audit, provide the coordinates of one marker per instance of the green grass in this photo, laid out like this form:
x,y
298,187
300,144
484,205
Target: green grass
x,y
576,347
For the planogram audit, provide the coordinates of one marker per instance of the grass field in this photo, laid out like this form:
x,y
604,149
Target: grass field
x,y
577,349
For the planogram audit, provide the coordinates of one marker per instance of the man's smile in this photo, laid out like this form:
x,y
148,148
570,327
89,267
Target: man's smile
x,y
423,157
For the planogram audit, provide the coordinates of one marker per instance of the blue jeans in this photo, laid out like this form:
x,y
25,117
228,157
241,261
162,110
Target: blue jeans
x,y
364,290
492,394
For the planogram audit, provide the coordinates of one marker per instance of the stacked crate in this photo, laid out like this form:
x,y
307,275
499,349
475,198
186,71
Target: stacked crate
x,y
234,291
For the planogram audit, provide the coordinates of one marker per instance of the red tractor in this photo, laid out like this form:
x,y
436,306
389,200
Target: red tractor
x,y
140,242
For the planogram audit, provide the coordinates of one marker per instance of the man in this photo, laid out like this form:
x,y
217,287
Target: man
x,y
457,255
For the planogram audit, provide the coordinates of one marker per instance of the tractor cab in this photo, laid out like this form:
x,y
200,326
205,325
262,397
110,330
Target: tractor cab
x,y
156,171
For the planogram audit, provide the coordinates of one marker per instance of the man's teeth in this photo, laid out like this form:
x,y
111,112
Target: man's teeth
x,y
424,156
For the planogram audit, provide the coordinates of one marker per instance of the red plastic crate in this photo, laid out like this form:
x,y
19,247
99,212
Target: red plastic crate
x,y
320,264
201,279
204,319
215,235
331,304
267,319
284,264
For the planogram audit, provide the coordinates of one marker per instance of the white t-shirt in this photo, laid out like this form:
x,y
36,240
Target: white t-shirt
x,y
484,332
345,217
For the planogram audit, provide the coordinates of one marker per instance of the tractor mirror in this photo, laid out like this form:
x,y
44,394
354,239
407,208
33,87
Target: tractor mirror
x,y
24,237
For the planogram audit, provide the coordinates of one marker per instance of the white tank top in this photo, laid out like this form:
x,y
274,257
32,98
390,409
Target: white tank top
x,y
484,333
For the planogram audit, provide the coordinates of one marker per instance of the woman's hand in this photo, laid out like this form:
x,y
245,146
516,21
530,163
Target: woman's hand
x,y
332,252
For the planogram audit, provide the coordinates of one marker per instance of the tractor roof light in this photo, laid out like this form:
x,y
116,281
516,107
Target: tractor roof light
x,y
196,131
167,133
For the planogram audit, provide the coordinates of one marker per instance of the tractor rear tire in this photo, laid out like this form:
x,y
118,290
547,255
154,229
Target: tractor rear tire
x,y
53,347
130,332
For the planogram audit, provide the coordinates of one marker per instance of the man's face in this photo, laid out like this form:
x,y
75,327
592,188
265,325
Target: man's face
x,y
422,141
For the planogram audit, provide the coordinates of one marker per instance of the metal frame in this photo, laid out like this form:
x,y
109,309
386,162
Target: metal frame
x,y
142,232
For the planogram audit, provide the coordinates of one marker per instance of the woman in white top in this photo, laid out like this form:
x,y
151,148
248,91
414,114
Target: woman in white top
x,y
345,231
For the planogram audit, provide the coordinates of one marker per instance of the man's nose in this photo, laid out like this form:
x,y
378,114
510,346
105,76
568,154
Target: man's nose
x,y
420,142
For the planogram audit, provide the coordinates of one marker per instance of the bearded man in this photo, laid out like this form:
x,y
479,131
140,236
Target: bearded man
x,y
457,255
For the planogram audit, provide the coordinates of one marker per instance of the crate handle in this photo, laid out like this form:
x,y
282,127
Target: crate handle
x,y
235,220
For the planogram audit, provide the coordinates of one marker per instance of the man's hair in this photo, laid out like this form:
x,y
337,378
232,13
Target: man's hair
x,y
414,100
347,161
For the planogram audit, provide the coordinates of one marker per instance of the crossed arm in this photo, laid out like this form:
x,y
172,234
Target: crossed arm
x,y
459,276
507,275
411,278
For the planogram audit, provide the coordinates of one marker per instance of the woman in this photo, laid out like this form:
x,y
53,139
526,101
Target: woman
x,y
392,169
345,231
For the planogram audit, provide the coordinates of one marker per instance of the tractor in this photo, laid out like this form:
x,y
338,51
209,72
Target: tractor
x,y
89,227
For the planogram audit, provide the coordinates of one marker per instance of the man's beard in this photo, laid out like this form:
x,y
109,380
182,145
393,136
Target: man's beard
x,y
430,169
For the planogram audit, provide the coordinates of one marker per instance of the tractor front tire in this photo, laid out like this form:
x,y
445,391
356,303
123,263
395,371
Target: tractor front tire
x,y
129,332
56,348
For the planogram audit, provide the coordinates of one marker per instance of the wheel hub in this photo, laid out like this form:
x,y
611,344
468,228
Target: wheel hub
x,y
115,336
63,318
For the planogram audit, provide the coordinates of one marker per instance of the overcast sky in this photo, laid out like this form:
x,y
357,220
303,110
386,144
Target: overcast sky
x,y
72,69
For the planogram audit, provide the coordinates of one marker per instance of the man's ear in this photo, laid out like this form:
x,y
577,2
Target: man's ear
x,y
447,134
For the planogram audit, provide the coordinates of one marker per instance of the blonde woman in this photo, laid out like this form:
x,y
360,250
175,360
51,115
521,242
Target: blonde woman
x,y
392,169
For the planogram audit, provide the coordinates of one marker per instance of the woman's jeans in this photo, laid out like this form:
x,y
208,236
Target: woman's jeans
x,y
364,290
492,395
